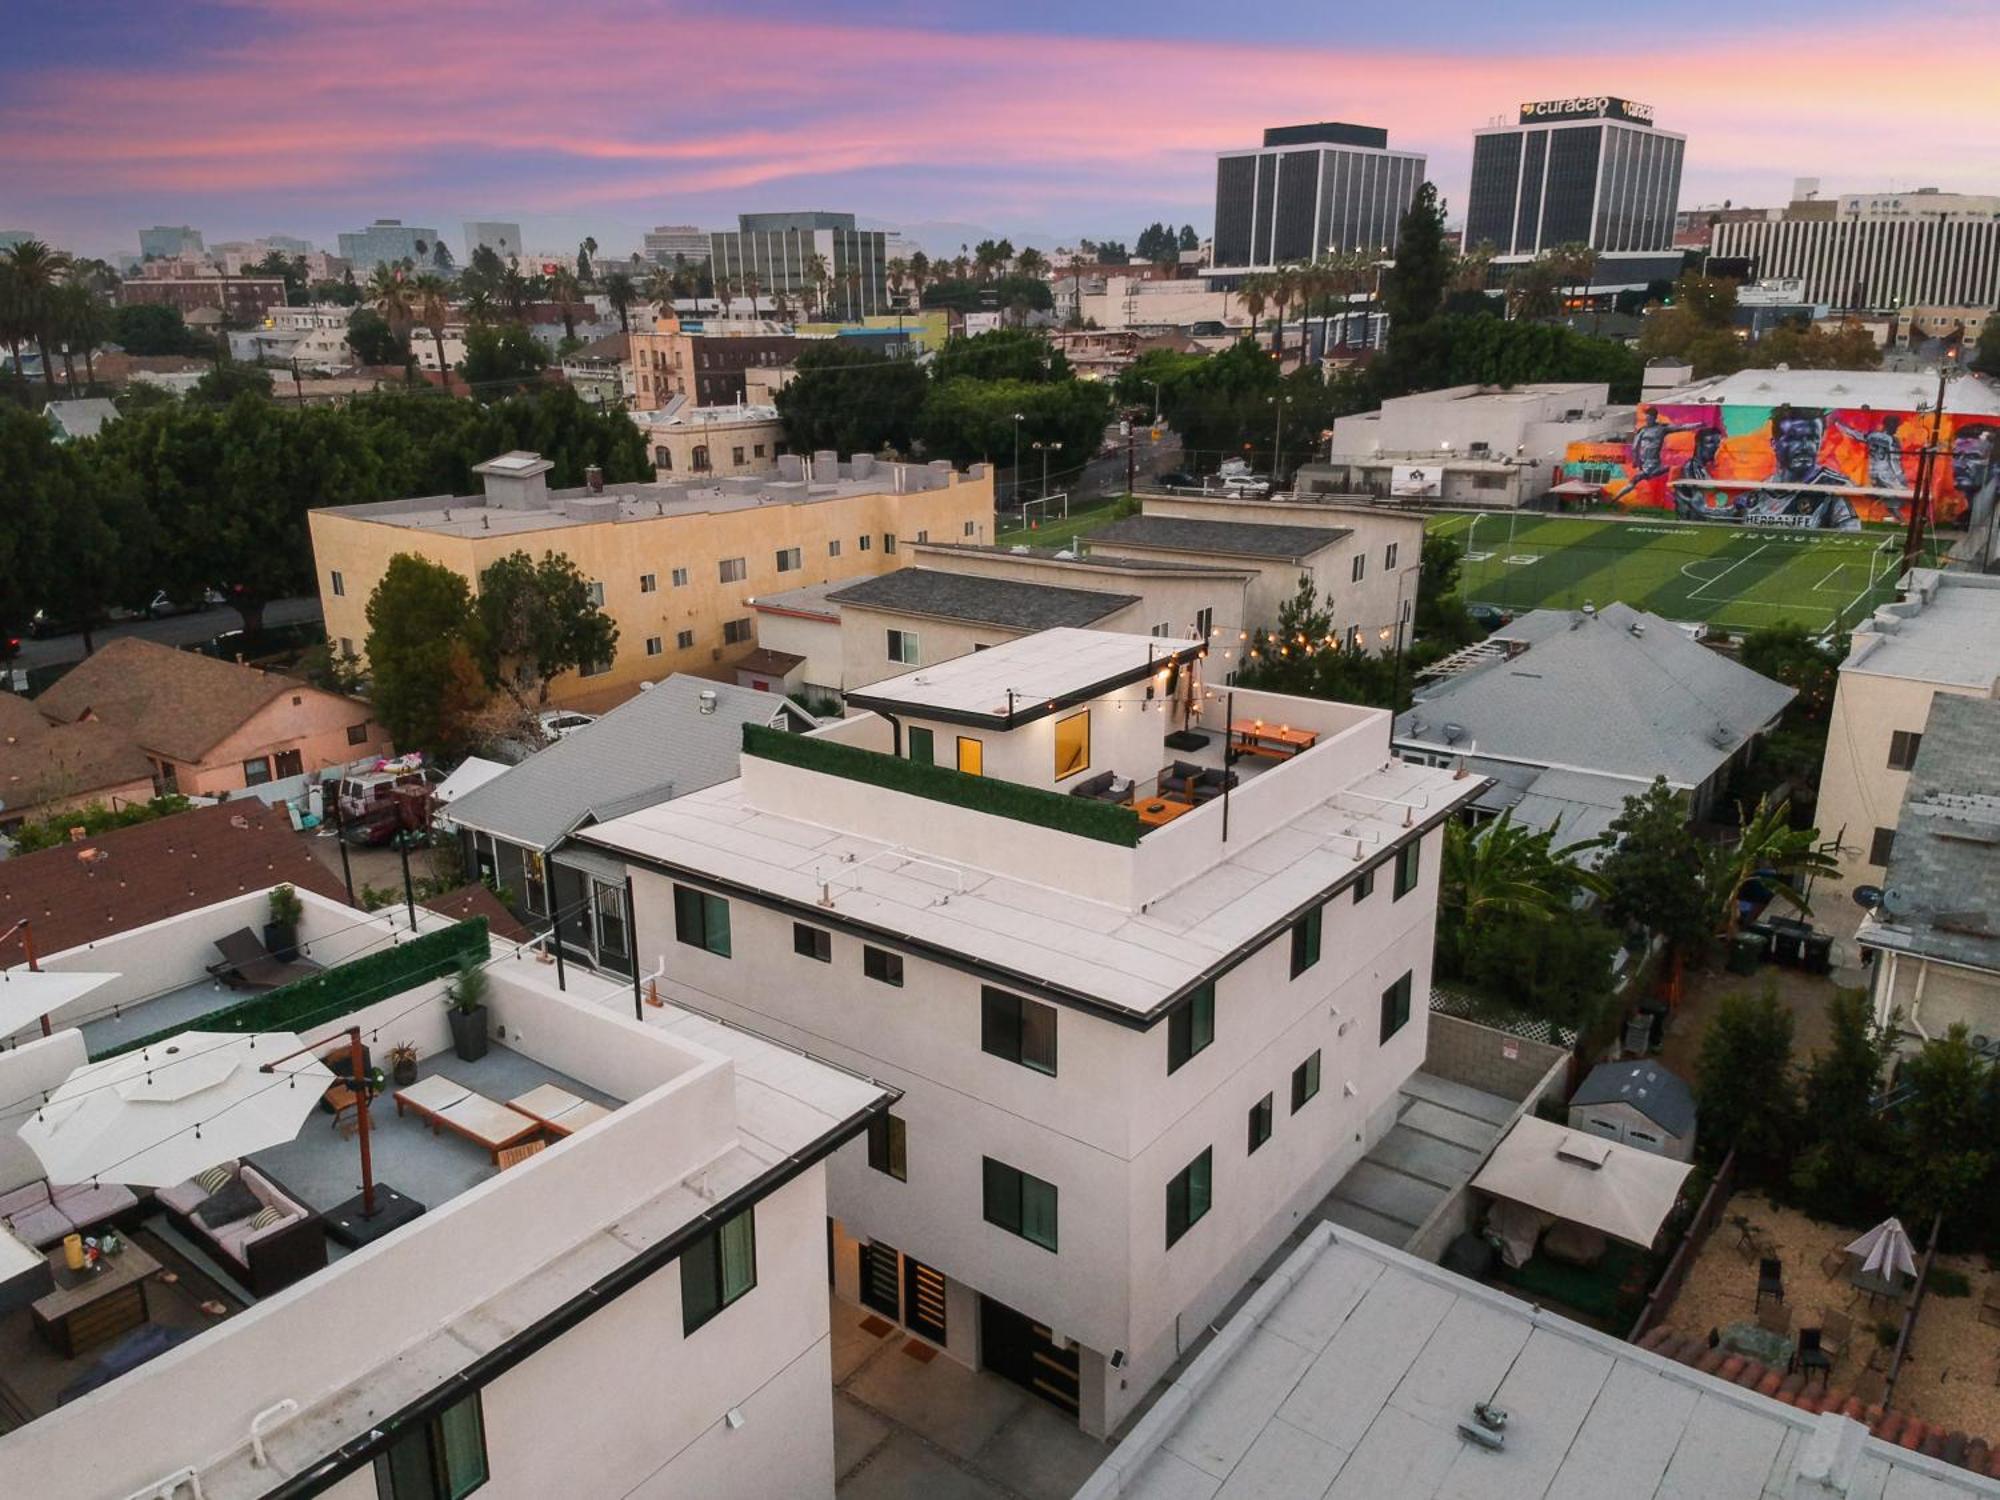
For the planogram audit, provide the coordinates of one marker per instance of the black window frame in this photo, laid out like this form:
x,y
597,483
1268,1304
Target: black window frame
x,y
1003,1196
1903,747
428,1445
889,1146
882,965
1005,1029
1881,846
1409,868
694,919
1364,886
1396,1005
1262,1118
1306,1081
1191,1027
702,1271
812,942
1185,1214
1307,935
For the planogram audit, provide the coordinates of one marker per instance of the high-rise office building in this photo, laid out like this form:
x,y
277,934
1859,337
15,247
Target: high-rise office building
x,y
671,244
1310,190
389,240
497,235
1871,263
1589,171
777,250
169,242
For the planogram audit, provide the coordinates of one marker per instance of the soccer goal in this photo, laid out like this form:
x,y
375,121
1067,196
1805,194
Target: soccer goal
x,y
1034,512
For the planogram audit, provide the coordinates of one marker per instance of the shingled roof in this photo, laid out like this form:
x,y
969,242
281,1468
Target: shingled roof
x,y
1008,602
1218,538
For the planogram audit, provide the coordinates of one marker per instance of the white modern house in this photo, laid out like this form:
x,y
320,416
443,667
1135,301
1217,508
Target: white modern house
x,y
1145,1005
636,1308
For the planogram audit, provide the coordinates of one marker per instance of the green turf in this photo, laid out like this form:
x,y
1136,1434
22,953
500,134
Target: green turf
x,y
1738,578
1061,531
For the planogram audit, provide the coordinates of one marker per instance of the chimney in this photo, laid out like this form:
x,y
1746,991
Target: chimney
x,y
593,480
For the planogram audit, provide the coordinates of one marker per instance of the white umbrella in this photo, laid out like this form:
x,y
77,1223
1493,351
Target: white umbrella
x,y
157,1116
27,995
1886,1250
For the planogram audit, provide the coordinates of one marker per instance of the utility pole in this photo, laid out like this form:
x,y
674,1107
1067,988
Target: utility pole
x,y
1920,498
298,385
1131,459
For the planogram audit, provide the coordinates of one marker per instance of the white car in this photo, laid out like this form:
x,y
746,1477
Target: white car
x,y
558,722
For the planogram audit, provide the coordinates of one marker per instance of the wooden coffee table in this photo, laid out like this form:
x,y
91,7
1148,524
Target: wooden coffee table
x,y
1153,811
89,1308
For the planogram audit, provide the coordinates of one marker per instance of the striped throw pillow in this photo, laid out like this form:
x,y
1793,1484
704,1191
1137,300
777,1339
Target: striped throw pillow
x,y
214,1180
265,1218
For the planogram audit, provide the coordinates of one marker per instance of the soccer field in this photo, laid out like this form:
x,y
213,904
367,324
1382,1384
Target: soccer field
x,y
1735,577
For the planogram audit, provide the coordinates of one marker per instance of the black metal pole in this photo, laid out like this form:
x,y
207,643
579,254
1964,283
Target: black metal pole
x,y
555,943
409,890
1228,720
632,943
346,869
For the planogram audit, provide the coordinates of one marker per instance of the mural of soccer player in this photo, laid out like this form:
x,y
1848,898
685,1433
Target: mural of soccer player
x,y
1689,501
1796,435
1649,450
1885,458
1975,472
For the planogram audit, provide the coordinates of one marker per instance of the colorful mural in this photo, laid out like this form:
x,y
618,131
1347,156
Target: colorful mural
x,y
1792,465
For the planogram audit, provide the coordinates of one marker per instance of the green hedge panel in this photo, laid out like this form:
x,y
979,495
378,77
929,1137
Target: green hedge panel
x,y
1104,821
336,992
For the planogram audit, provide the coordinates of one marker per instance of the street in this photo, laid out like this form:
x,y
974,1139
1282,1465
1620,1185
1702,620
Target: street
x,y
176,630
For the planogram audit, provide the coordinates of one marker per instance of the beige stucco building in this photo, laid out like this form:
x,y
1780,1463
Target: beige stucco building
x,y
689,442
676,563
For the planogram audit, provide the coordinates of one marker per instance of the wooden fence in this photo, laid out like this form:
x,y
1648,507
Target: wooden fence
x,y
1699,1228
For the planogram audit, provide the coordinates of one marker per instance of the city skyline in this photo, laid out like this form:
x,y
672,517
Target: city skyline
x,y
1039,125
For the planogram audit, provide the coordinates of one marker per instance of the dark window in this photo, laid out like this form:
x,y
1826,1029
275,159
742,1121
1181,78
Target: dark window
x,y
701,920
812,942
1019,1203
1235,190
1880,845
1305,1081
717,1269
1360,567
880,964
903,647
684,639
441,1460
888,541
655,645
339,586
1260,1123
1489,212
1022,1031
1903,749
1305,940
649,582
357,734
257,772
887,1146
923,746
1408,861
1395,1007
290,763
735,632
1364,886
1188,1195
1191,1027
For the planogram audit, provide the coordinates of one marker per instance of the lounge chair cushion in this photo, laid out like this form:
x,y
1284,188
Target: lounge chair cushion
x,y
86,1205
41,1227
30,1195
234,1202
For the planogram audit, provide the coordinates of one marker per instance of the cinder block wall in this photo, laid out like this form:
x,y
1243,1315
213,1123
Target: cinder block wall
x,y
1478,1056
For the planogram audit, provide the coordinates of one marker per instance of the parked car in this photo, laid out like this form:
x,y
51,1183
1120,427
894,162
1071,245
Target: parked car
x,y
1179,480
162,605
1487,616
558,722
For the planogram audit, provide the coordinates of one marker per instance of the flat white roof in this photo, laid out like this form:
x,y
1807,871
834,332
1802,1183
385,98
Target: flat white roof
x,y
1023,674
1884,390
1946,630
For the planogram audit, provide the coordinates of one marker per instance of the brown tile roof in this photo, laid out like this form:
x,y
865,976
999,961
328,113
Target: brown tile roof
x,y
477,901
43,762
154,870
178,704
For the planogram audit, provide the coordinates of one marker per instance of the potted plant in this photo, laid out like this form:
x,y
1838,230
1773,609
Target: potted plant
x,y
466,999
281,930
403,1063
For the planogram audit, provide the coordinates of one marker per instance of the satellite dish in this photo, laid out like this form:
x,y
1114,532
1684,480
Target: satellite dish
x,y
1868,897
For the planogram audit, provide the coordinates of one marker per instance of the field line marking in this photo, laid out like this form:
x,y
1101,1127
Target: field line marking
x,y
1727,571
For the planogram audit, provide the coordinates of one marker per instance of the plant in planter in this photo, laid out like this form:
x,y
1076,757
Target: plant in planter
x,y
403,1063
281,929
466,998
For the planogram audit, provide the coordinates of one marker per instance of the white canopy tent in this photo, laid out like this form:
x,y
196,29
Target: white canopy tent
x,y
1565,1174
1886,1251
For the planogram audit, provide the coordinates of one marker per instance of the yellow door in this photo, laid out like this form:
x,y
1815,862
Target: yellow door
x,y
971,756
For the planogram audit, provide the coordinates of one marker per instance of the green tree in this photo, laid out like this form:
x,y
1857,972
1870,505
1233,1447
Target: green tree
x,y
147,328
1766,842
73,536
972,421
373,341
290,269
1653,873
1793,655
623,294
502,360
1743,1080
85,322
422,648
430,305
538,620
852,400
229,379
1841,1173
1413,288
1304,655
1189,240
1947,1156
1986,353
1003,354
1441,622
34,276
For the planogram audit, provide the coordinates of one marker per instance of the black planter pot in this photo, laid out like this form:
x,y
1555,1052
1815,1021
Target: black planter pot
x,y
281,939
468,1033
405,1074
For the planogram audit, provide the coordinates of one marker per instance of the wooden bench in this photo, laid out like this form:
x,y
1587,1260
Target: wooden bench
x,y
446,1105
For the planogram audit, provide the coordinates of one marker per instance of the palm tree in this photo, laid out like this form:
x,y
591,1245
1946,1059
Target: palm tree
x,y
1575,264
586,256
1468,270
1507,869
725,290
431,302
621,292
920,275
817,276
1534,291
852,278
478,307
1284,290
752,285
34,271
388,292
1031,262
565,291
1252,291
961,265
85,322
1767,850
515,292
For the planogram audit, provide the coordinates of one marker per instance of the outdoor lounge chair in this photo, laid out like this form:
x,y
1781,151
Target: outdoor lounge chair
x,y
1770,1279
1835,1330
248,965
1810,1356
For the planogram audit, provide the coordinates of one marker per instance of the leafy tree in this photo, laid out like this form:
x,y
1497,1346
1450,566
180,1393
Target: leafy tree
x,y
1653,874
229,379
1766,843
1440,619
73,536
58,828
290,269
1189,240
422,644
1560,970
969,421
1455,350
1986,353
1743,1084
1840,1175
1003,354
1156,242
1304,655
1791,654
961,294
1109,252
1413,289
148,328
373,341
1947,1155
502,360
536,621
852,400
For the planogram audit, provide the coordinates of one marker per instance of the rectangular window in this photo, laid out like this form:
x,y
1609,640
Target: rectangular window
x,y
864,542
594,668
684,640
1020,1030
1395,1007
971,528
789,560
339,585
701,920
594,592
680,578
1305,1081
1364,886
1191,1026
736,632
923,745
1073,744
1360,566
1260,1124
888,541
734,570
1305,940
812,942
257,772
442,1460
888,1150
655,645
1903,749
357,734
1409,860
882,966
922,537
757,450
736,457
649,583
1389,554
833,548
903,647
717,1269
289,763
1019,1203
971,756
1880,846
1188,1195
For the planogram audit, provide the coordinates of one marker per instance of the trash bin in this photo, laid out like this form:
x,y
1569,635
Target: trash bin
x,y
1819,953
1638,1034
1746,953
1788,942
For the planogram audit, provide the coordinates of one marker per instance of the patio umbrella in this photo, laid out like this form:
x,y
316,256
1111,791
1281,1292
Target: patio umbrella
x,y
27,995
157,1116
1886,1250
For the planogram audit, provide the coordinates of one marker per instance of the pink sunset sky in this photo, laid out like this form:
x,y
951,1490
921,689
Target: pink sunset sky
x,y
246,117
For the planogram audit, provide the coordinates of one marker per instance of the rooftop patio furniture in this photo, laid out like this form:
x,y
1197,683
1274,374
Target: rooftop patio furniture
x,y
1273,741
265,1258
446,1105
1186,739
1989,1302
513,1156
1155,811
248,965
556,1109
1198,784
1834,1331
1770,1279
1833,1264
95,1305
1811,1356
40,1214
1105,786
1777,1318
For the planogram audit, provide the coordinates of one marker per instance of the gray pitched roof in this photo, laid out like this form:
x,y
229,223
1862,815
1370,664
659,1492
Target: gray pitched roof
x,y
1040,557
1590,693
82,417
650,748
1010,602
1219,538
1660,1095
1941,894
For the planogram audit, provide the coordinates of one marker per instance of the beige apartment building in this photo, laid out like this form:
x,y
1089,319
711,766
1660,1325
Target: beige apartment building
x,y
692,442
675,563
1942,636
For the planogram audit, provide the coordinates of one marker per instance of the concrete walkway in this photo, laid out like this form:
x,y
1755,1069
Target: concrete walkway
x,y
1442,1132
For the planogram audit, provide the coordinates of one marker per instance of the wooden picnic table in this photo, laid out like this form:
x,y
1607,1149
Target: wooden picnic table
x,y
1278,741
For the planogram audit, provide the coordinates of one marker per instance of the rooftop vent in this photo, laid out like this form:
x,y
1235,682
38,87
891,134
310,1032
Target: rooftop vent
x,y
593,480
1453,733
1488,1427
706,698
1637,627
